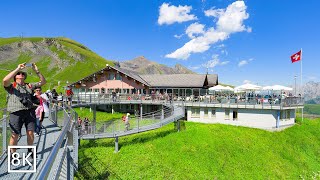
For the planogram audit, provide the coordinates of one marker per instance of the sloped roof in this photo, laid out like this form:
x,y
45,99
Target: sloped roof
x,y
212,79
165,80
131,74
179,80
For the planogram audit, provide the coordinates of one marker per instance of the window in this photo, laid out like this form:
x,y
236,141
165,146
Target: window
x,y
103,90
206,113
110,91
288,114
227,114
96,90
111,76
195,112
118,76
213,113
235,115
285,115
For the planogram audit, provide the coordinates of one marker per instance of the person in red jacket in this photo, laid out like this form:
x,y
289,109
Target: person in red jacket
x,y
69,94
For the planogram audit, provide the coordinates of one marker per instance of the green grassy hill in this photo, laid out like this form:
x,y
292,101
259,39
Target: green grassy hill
x,y
59,59
206,151
312,109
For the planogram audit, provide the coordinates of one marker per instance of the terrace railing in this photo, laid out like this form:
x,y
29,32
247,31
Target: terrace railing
x,y
137,123
218,101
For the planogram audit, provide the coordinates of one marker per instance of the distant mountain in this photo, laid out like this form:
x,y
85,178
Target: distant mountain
x,y
141,65
312,92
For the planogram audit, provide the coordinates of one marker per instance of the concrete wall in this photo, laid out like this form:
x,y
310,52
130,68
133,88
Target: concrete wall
x,y
257,118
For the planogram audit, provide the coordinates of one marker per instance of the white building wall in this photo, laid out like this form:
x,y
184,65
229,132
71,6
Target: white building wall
x,y
257,118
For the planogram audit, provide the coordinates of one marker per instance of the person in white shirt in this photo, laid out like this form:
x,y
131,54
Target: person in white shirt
x,y
45,104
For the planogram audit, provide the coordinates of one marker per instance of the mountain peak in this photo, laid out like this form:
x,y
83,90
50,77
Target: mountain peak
x,y
142,65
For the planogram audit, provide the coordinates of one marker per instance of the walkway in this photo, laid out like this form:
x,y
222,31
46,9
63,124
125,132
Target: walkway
x,y
44,144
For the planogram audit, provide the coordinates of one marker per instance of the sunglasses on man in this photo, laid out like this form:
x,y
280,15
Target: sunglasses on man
x,y
20,73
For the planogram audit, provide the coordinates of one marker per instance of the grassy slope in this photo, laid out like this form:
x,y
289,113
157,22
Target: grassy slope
x,y
75,71
208,151
312,109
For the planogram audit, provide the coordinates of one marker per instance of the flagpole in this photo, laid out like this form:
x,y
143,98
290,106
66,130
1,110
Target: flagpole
x,y
302,94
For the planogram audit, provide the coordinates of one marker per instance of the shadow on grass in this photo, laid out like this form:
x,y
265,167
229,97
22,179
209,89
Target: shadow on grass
x,y
131,139
86,169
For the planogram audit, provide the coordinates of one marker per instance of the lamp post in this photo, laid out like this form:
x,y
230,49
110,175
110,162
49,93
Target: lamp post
x,y
295,85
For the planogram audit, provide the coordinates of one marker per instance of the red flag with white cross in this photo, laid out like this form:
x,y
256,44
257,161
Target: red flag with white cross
x,y
296,57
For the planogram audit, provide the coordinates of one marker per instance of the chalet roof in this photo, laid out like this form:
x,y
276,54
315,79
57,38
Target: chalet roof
x,y
163,80
131,74
180,80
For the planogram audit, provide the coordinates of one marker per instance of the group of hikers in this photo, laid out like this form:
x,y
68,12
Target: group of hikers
x,y
83,125
27,104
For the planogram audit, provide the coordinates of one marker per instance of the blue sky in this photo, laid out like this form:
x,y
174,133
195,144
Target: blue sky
x,y
241,41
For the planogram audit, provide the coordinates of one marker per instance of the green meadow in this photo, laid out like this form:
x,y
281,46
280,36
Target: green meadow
x,y
206,151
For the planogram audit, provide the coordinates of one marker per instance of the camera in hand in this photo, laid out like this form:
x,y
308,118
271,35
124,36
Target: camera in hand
x,y
28,64
24,100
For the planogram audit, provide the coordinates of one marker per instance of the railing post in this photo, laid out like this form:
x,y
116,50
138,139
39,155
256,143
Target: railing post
x,y
56,115
140,115
94,109
75,146
278,119
116,144
4,132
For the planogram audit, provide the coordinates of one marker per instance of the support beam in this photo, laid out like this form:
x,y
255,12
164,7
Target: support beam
x,y
278,119
116,144
4,132
178,124
94,112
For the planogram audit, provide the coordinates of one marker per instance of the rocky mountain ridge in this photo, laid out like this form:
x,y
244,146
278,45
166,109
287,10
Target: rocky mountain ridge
x,y
141,65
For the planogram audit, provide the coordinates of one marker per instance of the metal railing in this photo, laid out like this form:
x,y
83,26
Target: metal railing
x,y
222,101
136,123
4,132
66,146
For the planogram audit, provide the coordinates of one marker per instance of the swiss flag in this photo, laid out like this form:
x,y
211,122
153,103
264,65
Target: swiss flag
x,y
296,57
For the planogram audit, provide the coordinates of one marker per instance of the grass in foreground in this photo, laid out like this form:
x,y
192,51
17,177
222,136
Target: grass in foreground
x,y
206,151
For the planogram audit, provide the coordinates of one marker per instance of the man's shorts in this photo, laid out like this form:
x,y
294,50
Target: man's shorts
x,y
26,117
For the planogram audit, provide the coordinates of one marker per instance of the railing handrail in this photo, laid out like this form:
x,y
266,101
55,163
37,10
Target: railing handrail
x,y
44,172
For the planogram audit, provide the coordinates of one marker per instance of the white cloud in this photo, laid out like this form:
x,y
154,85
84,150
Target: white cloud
x,y
230,20
242,63
172,14
198,44
178,36
214,62
224,63
246,81
220,46
214,12
195,28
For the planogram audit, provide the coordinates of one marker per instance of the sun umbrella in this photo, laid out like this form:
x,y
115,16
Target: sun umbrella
x,y
247,87
221,88
281,88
